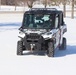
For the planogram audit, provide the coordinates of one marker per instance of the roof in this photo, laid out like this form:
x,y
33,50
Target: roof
x,y
43,10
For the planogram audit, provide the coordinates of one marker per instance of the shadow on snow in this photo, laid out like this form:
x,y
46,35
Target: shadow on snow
x,y
70,50
58,53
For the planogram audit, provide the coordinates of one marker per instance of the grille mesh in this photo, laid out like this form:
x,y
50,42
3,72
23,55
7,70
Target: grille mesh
x,y
33,36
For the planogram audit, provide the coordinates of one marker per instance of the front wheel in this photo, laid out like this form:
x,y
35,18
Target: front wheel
x,y
50,51
19,48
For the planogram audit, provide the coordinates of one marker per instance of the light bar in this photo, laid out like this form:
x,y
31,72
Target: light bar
x,y
43,9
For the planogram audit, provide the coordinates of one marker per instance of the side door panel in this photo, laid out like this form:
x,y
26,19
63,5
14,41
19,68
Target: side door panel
x,y
57,37
57,34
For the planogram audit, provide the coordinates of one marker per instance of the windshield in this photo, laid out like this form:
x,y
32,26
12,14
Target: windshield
x,y
39,21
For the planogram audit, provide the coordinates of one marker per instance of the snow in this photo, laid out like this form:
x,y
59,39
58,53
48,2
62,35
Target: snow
x,y
22,8
12,8
6,17
64,62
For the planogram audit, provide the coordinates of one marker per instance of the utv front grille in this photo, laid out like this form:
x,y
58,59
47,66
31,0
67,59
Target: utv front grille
x,y
33,36
30,40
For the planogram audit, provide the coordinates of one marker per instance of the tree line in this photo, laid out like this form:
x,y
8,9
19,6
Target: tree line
x,y
30,3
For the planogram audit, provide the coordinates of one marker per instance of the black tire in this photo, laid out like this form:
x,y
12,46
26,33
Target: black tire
x,y
63,46
19,48
50,51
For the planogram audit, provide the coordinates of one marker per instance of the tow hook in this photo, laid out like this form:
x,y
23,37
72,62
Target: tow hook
x,y
32,47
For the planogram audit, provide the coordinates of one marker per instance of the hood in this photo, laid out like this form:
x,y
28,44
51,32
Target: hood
x,y
38,31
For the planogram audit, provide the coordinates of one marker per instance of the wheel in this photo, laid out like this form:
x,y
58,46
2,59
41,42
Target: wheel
x,y
19,48
50,51
63,45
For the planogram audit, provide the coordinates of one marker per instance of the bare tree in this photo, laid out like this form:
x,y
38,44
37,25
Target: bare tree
x,y
65,2
45,3
51,2
72,15
54,2
3,2
15,3
0,4
7,2
30,3
64,8
24,3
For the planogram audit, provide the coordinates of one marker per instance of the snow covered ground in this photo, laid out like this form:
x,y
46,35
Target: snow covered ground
x,y
64,62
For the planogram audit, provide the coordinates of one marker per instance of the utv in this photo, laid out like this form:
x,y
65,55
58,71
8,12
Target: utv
x,y
42,30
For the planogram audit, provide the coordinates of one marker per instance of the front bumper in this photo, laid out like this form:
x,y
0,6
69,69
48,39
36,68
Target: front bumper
x,y
33,41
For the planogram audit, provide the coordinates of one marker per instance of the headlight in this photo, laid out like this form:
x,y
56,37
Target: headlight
x,y
21,34
47,35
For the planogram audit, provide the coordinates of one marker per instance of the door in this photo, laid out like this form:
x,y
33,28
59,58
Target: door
x,y
57,34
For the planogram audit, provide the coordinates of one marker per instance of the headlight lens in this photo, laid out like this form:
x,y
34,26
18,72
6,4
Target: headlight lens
x,y
47,35
21,34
